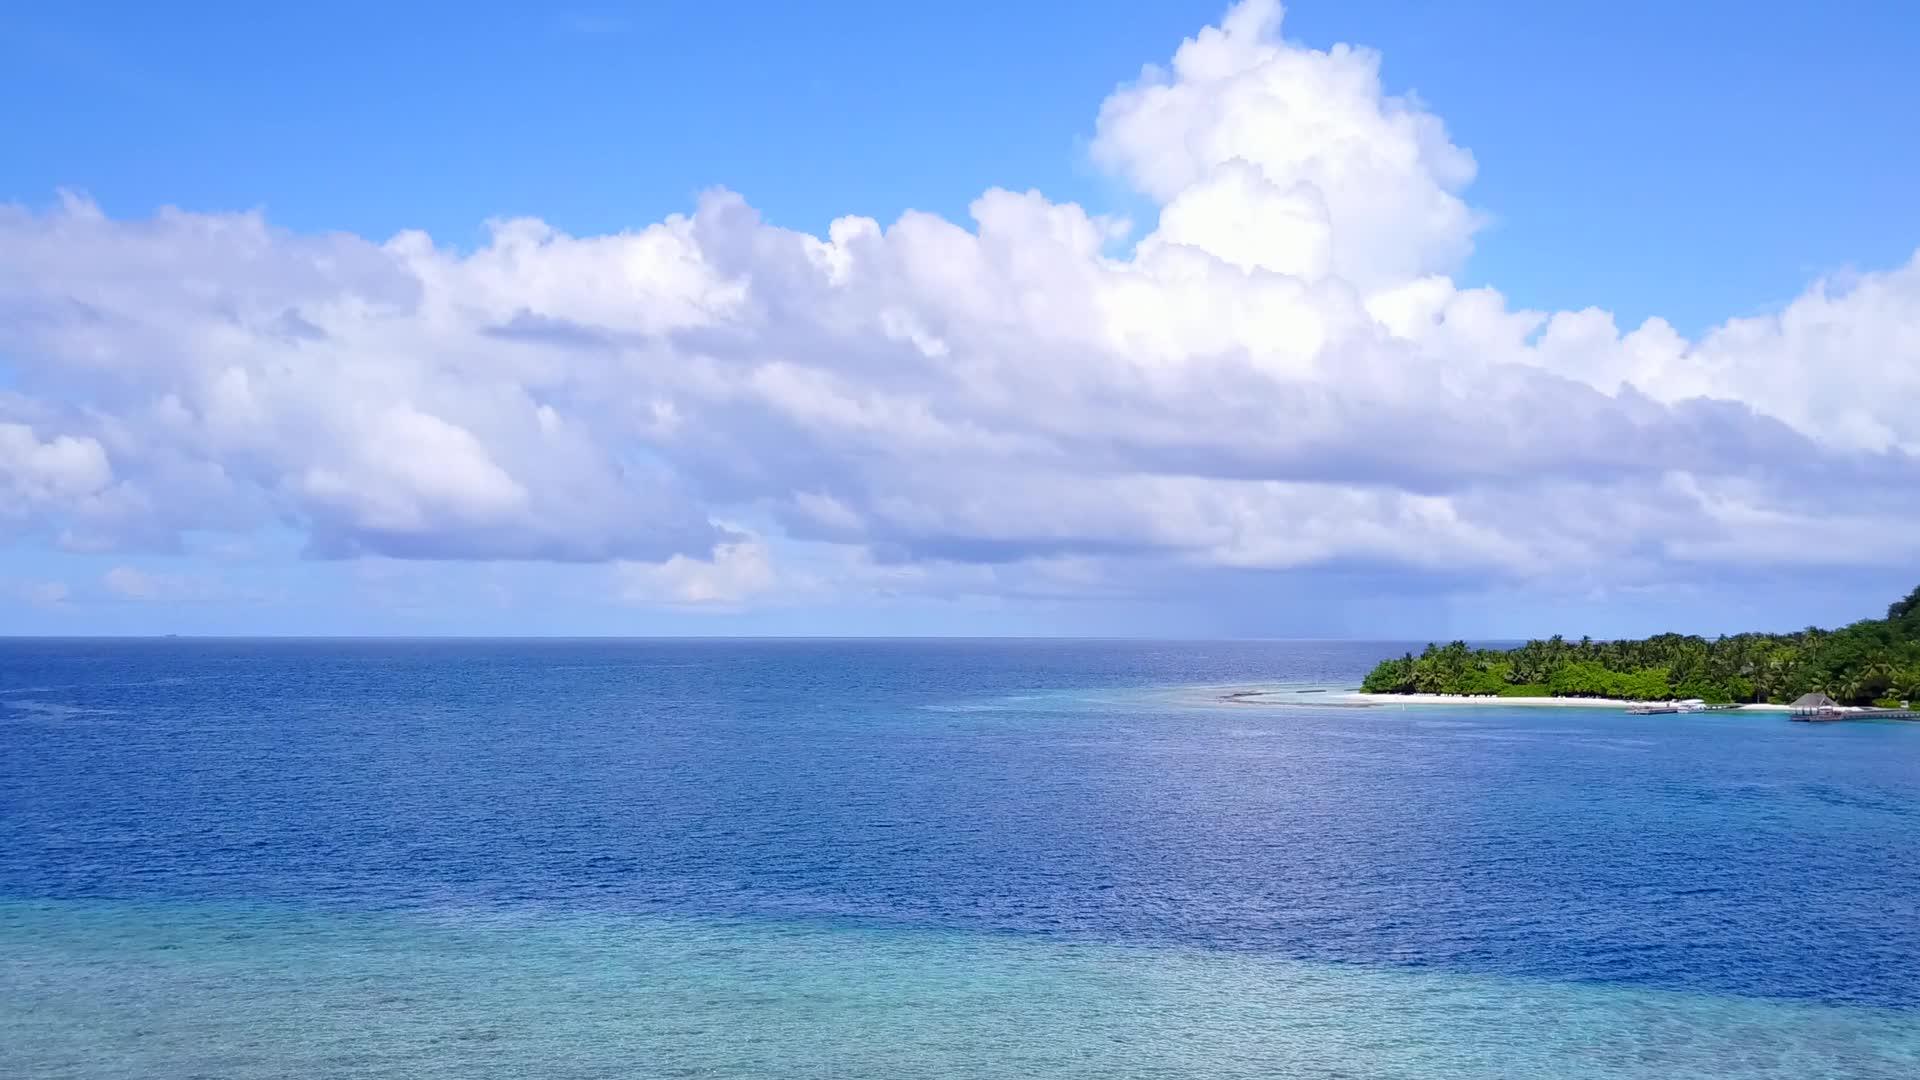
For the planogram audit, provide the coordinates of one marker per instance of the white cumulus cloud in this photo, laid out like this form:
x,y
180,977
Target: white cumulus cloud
x,y
738,570
1281,373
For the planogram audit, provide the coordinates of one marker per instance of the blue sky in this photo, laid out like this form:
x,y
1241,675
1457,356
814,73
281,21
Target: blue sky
x,y
1696,165
1695,161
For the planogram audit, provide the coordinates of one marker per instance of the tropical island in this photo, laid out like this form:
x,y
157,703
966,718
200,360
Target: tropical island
x,y
1871,662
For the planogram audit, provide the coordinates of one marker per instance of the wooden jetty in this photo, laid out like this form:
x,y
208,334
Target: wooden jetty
x,y
1822,716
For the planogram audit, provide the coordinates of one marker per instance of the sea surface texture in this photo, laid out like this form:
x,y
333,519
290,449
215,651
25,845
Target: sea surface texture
x,y
923,859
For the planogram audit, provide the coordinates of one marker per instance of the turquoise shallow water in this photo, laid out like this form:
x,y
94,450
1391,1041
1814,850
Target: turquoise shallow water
x,y
209,991
923,859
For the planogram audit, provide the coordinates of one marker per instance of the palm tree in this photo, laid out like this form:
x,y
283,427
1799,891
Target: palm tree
x,y
1773,676
1846,688
1877,675
1907,686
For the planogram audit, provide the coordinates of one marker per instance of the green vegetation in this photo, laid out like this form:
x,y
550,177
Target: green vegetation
x,y
1874,661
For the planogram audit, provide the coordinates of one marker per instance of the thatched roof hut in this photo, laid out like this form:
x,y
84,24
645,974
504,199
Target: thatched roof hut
x,y
1809,702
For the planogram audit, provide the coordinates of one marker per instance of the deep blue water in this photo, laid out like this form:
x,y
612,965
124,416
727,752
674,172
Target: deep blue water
x,y
1073,819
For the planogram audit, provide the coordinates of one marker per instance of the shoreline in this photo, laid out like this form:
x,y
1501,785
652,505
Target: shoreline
x,y
1361,699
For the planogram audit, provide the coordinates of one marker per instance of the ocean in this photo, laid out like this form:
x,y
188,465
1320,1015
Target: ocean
x,y
904,859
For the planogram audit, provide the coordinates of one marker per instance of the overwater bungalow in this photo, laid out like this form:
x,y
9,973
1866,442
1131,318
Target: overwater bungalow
x,y
1817,706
